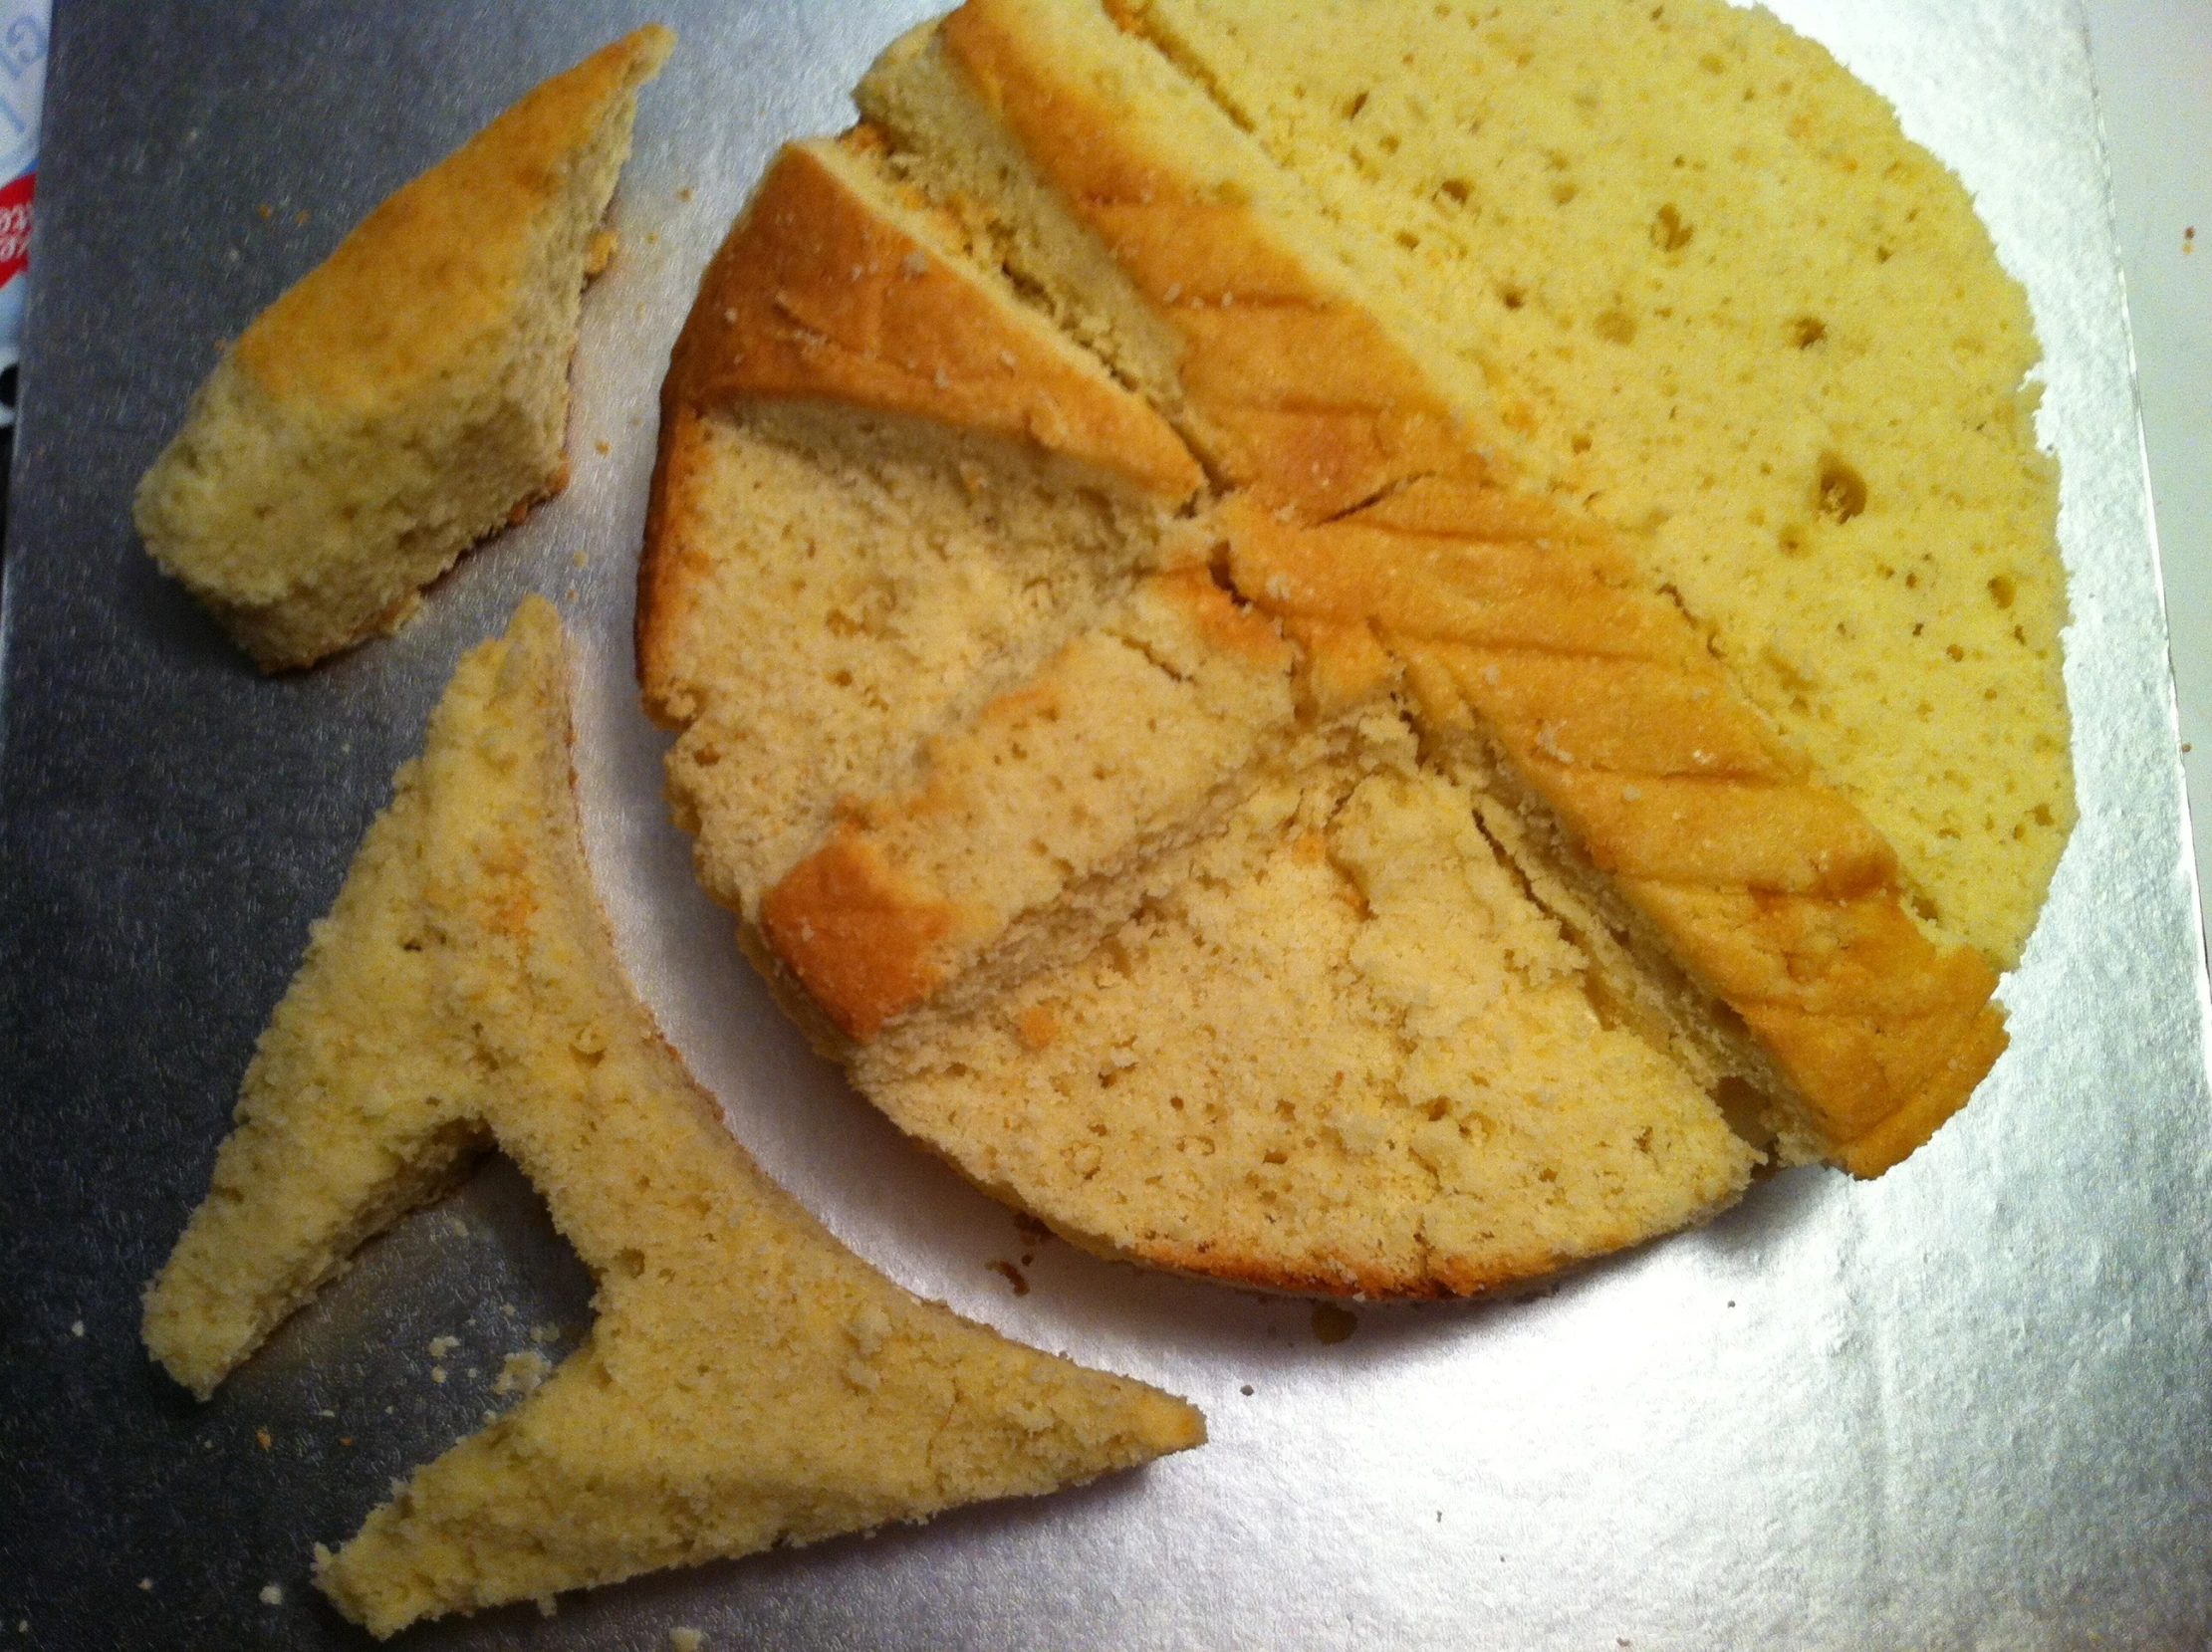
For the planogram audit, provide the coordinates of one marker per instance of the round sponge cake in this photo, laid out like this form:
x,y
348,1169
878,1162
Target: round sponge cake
x,y
1168,723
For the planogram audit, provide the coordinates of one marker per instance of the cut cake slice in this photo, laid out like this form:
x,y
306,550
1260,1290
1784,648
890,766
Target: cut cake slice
x,y
408,395
1520,926
747,1380
1762,916
1716,295
1095,895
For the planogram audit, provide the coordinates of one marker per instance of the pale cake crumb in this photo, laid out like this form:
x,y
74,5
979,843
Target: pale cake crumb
x,y
686,1640
272,1595
327,472
1291,967
515,1018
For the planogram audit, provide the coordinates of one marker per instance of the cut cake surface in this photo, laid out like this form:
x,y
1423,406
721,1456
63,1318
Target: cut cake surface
x,y
747,1381
1466,950
407,397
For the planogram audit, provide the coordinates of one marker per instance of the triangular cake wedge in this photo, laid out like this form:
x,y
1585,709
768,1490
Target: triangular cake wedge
x,y
408,395
747,1380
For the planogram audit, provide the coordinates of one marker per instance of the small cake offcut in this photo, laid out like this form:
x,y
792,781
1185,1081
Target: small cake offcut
x,y
747,1380
407,397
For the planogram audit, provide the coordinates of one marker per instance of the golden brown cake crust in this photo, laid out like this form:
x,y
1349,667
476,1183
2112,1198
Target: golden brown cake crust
x,y
434,264
1295,389
408,397
817,295
1661,771
855,933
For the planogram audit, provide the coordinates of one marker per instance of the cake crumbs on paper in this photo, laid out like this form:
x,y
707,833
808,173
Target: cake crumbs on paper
x,y
147,1584
272,1595
441,1346
262,1439
77,1327
437,1373
686,1640
545,1334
